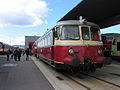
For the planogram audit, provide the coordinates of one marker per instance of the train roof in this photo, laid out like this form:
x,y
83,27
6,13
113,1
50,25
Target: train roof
x,y
76,22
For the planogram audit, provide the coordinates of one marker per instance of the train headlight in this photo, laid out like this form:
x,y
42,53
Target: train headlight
x,y
71,52
99,51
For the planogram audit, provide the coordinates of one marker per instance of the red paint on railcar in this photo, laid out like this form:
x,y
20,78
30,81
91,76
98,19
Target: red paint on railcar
x,y
61,53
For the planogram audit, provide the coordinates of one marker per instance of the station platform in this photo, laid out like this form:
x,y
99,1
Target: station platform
x,y
22,75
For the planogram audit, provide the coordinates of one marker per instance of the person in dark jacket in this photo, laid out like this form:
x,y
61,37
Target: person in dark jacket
x,y
23,52
12,52
19,54
27,54
8,54
15,54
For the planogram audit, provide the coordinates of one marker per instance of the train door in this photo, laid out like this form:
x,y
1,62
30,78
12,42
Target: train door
x,y
52,46
116,47
55,37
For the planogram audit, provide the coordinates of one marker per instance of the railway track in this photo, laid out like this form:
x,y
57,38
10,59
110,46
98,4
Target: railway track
x,y
79,83
88,87
102,80
83,81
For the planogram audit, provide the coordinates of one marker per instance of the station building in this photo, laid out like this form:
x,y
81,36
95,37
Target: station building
x,y
30,39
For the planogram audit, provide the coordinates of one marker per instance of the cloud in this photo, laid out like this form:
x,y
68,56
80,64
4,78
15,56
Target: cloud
x,y
16,40
13,40
22,12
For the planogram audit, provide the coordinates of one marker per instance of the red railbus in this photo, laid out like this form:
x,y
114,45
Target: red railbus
x,y
72,45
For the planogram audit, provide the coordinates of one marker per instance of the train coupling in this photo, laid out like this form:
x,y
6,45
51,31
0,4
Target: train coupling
x,y
88,65
75,62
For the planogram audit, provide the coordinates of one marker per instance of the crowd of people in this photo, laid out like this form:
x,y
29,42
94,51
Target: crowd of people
x,y
16,54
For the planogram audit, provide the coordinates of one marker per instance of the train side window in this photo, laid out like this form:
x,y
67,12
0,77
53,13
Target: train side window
x,y
43,42
58,30
118,46
114,41
49,38
85,33
46,41
39,44
57,33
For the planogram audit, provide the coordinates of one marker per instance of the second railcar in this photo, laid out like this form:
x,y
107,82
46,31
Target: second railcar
x,y
4,48
115,53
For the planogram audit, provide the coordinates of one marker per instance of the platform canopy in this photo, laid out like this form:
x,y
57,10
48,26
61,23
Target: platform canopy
x,y
105,13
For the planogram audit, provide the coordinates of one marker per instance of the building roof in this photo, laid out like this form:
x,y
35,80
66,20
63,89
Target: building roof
x,y
105,13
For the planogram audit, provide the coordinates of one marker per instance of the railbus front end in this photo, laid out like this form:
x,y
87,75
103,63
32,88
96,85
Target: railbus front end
x,y
78,46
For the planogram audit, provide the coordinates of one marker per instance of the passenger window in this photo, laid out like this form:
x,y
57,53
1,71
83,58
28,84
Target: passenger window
x,y
49,38
43,42
114,41
118,46
85,33
39,44
46,42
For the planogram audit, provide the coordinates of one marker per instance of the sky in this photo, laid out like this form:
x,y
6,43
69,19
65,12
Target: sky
x,y
20,18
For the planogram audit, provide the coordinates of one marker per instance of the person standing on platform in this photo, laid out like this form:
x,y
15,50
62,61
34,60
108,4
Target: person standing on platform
x,y
8,54
12,52
19,54
23,52
27,54
15,54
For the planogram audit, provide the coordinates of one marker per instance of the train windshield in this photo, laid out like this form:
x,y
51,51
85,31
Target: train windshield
x,y
70,33
95,33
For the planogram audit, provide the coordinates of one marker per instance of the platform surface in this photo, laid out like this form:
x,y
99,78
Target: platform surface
x,y
21,75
